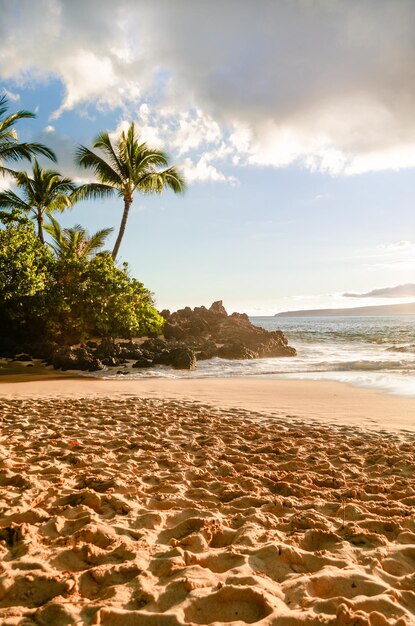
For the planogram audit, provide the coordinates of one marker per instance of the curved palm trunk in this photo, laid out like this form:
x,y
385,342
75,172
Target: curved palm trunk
x,y
39,219
127,203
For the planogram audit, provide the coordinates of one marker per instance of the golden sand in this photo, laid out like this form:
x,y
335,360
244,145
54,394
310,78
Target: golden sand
x,y
127,511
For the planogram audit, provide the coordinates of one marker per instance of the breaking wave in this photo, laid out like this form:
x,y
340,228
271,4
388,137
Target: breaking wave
x,y
377,352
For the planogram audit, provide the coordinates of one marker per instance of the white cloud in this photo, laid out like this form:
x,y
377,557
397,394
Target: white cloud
x,y
13,97
326,84
397,246
203,171
195,129
195,141
398,265
397,256
6,182
395,249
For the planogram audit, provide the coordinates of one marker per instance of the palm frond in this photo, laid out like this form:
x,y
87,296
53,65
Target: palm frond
x,y
103,170
156,182
97,240
42,192
75,242
103,142
11,151
60,203
4,104
6,171
152,158
9,121
10,200
92,191
53,228
10,148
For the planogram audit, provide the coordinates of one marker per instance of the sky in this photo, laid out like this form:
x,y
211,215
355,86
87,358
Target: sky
x,y
292,120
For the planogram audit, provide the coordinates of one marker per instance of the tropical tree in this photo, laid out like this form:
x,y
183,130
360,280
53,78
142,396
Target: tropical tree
x,y
47,191
75,242
65,299
10,148
122,168
25,270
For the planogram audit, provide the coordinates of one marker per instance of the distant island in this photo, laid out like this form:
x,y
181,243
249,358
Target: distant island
x,y
386,309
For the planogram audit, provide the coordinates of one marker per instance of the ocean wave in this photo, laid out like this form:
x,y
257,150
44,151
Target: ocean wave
x,y
368,352
373,366
405,349
382,331
222,368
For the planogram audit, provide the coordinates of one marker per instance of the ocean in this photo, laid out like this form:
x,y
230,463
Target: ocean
x,y
364,351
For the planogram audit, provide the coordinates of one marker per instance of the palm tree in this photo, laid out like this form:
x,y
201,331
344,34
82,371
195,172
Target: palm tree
x,y
46,192
10,148
124,168
75,242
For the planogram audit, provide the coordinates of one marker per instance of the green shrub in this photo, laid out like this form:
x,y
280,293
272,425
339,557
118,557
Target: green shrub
x,y
69,300
97,298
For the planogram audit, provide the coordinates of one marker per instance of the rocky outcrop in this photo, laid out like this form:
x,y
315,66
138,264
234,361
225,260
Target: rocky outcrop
x,y
189,335
68,358
182,359
212,332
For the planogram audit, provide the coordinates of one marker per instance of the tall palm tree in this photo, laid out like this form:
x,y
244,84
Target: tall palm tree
x,y
75,242
124,168
10,148
46,192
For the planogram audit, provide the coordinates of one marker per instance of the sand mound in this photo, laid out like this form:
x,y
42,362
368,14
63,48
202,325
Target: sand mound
x,y
127,512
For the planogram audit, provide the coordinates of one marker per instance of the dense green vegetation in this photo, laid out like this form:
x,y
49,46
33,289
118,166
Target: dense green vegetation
x,y
64,287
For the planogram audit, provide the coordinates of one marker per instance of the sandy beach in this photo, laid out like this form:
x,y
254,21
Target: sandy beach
x,y
135,503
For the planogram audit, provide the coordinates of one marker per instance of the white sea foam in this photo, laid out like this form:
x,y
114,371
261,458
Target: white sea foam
x,y
370,352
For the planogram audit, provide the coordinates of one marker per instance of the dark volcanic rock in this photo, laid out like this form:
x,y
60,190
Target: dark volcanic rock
x,y
92,344
182,359
236,350
161,358
107,349
67,358
129,350
212,332
217,307
206,350
86,361
22,357
173,331
112,362
153,346
200,333
142,363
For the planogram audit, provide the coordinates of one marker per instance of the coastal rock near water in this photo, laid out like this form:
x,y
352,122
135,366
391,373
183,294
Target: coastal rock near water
x,y
182,359
189,335
69,358
212,332
197,334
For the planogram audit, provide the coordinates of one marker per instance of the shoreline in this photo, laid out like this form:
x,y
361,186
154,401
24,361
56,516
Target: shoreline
x,y
321,402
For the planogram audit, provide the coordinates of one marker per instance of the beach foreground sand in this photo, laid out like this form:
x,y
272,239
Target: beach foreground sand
x,y
123,510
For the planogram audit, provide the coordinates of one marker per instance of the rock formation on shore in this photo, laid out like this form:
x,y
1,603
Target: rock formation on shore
x,y
190,335
212,332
